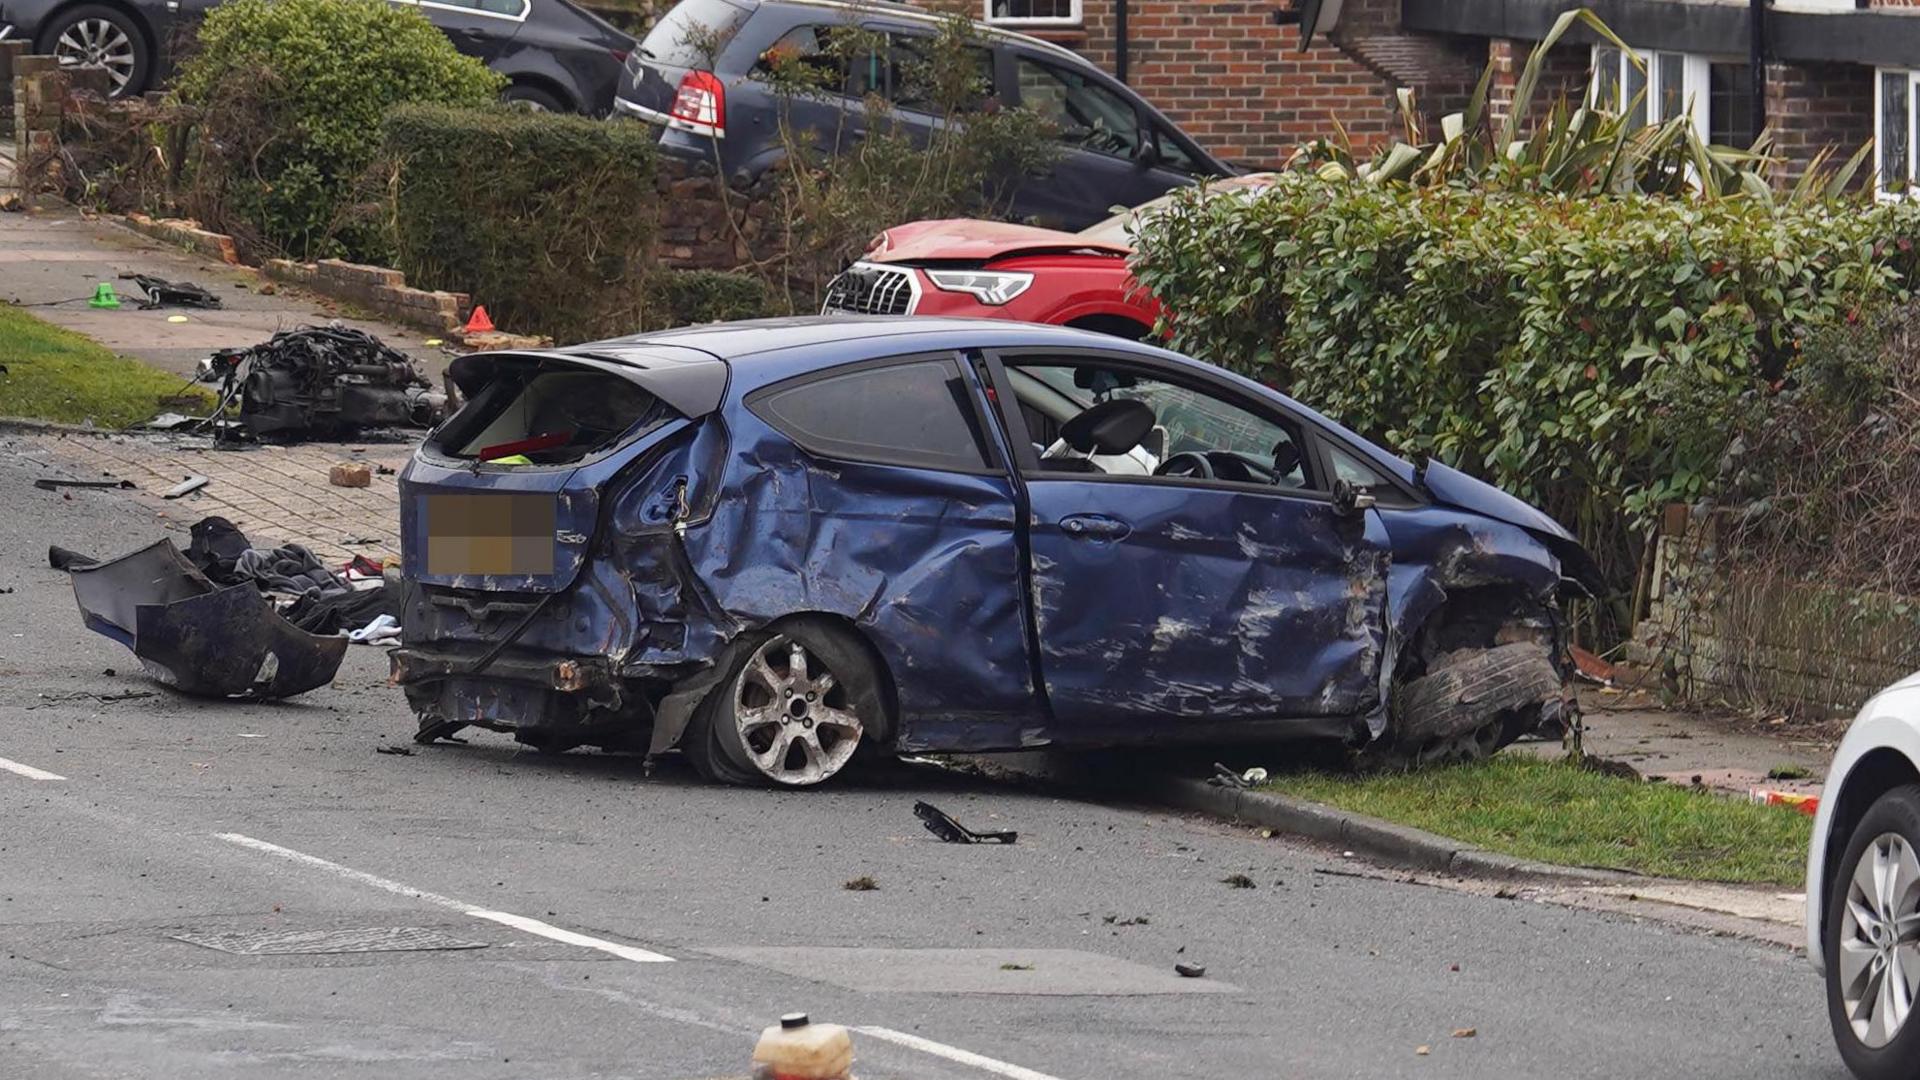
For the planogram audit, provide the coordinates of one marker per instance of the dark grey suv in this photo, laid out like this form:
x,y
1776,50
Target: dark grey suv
x,y
1118,150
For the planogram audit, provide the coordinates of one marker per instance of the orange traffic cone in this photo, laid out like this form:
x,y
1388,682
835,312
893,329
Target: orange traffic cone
x,y
478,323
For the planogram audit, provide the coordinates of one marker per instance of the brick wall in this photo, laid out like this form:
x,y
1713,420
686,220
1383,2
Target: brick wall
x,y
1564,75
1236,80
1767,641
1815,106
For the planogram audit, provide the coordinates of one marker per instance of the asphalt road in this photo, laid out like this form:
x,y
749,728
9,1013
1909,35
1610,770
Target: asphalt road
x,y
648,926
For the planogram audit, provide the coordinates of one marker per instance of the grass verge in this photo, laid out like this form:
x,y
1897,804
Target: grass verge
x,y
1553,812
55,374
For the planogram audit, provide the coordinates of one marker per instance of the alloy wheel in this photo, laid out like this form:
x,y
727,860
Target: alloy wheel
x,y
1879,954
793,716
97,43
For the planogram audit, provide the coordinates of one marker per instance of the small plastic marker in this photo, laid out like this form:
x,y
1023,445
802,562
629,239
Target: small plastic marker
x,y
176,318
433,342
103,297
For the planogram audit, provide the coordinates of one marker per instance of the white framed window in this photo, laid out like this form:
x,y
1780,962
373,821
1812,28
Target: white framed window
x,y
1033,12
1669,84
1716,95
1896,95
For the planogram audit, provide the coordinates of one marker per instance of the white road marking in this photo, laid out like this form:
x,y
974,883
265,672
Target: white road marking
x,y
518,922
347,872
535,926
954,1053
28,771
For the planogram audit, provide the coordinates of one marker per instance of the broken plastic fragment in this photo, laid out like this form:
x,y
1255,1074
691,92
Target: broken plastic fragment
x,y
942,825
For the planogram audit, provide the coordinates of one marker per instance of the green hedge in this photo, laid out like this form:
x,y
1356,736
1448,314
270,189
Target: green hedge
x,y
1588,354
685,297
290,94
548,220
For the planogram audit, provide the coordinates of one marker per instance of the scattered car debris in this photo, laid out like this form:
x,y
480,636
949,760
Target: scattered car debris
x,y
1592,668
186,486
163,293
1011,966
321,381
1225,777
48,700
1422,1051
1134,920
192,634
52,483
863,883
1190,971
1238,881
1465,1033
395,749
383,630
941,824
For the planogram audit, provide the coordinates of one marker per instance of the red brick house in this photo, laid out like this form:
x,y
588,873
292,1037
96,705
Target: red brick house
x,y
1833,72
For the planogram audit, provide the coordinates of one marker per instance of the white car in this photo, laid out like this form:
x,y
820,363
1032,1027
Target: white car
x,y
1863,887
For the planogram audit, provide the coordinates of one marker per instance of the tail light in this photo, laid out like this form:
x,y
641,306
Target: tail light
x,y
701,105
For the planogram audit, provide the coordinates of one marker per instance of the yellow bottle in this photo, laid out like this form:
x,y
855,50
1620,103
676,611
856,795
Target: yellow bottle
x,y
798,1049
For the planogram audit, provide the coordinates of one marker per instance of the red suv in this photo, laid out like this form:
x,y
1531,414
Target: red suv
x,y
995,270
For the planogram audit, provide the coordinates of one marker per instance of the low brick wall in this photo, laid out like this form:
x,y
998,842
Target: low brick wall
x,y
377,289
1768,639
187,234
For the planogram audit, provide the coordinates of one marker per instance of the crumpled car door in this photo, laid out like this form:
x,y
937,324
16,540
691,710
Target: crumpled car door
x,y
1159,601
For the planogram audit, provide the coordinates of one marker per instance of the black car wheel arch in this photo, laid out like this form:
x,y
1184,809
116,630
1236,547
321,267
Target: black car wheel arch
x,y
539,97
112,35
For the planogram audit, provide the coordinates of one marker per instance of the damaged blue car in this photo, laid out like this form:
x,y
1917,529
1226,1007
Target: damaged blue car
x,y
779,546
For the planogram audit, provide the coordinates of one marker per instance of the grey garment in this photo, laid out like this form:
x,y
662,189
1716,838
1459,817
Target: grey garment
x,y
289,569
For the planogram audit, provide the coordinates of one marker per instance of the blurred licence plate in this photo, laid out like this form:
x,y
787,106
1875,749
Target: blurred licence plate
x,y
490,534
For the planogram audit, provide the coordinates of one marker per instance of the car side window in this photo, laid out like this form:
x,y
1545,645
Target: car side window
x,y
1086,411
1085,113
913,413
1174,156
812,47
910,74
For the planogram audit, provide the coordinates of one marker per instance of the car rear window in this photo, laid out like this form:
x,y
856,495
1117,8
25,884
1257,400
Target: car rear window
x,y
548,414
693,32
913,413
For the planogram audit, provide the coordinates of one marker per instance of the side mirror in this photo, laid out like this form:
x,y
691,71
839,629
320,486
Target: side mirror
x,y
1349,499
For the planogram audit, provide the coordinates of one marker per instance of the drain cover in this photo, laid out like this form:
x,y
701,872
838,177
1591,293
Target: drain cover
x,y
317,942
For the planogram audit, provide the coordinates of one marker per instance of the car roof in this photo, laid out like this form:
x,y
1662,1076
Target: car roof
x,y
861,335
696,358
907,13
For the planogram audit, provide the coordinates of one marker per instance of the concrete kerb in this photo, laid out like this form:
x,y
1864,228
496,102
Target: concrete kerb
x,y
1398,845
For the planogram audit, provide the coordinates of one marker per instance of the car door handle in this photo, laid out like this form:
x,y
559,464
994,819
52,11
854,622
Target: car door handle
x,y
1094,527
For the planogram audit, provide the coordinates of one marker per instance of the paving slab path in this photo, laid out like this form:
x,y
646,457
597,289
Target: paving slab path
x,y
51,258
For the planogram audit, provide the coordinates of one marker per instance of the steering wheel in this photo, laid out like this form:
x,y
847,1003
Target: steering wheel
x,y
1186,463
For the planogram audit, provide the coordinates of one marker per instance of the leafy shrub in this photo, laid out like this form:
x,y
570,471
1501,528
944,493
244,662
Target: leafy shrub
x,y
1590,354
1823,473
689,297
290,94
546,219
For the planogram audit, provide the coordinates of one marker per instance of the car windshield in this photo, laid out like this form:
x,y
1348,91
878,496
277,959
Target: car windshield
x,y
1117,231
